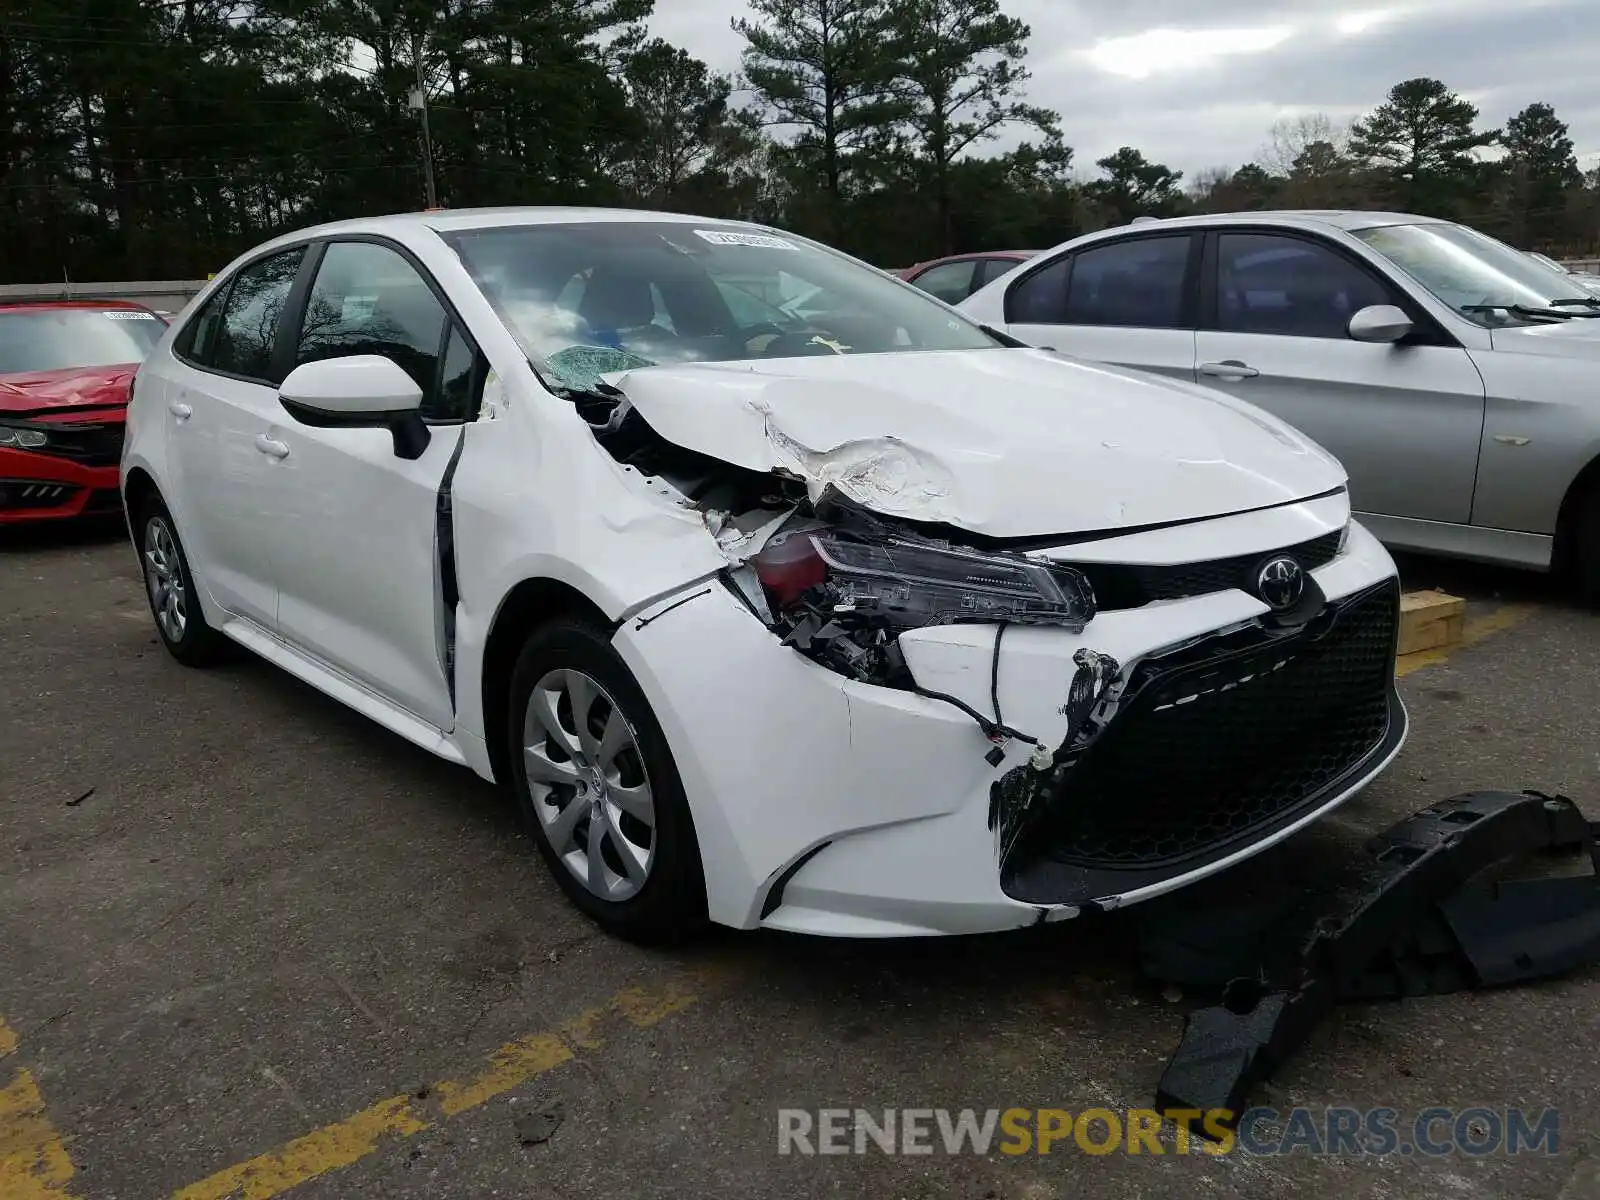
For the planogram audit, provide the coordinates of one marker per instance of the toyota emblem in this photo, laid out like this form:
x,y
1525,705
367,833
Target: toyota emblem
x,y
1281,582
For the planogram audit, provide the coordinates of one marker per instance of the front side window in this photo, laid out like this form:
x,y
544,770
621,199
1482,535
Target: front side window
x,y
246,331
59,339
1139,282
367,299
950,282
588,298
1289,286
1483,279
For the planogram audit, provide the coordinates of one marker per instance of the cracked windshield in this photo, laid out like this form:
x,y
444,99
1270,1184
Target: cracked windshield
x,y
586,300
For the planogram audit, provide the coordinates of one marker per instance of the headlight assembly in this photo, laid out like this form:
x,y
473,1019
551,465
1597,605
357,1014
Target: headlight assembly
x,y
19,438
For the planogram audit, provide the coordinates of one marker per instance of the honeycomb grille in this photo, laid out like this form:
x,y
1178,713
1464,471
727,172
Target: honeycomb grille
x,y
1118,586
1219,739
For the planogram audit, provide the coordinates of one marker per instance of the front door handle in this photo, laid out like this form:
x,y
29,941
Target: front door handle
x,y
271,446
179,409
1229,368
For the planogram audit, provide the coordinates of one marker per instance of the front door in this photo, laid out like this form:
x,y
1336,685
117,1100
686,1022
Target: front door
x,y
357,545
1406,420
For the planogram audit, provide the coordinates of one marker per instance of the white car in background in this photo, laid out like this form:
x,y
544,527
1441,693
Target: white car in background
x,y
1453,376
865,622
1587,280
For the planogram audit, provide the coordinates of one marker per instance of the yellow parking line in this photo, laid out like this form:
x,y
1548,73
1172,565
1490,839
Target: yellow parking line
x,y
1473,632
345,1142
34,1164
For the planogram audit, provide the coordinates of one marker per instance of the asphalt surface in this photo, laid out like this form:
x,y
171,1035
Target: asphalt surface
x,y
242,925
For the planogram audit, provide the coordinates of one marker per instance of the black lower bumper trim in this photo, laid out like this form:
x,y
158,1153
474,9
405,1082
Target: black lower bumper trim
x,y
1415,929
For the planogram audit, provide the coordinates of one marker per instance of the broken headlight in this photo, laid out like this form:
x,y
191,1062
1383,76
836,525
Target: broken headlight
x,y
910,582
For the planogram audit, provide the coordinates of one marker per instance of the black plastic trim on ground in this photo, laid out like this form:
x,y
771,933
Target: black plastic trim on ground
x,y
1415,929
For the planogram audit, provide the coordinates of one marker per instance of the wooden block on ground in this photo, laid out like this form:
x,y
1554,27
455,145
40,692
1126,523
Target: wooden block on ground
x,y
1430,621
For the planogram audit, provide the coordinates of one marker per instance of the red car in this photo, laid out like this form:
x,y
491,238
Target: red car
x,y
955,278
66,374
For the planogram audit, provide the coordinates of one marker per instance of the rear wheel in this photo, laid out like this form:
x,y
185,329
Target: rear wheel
x,y
169,586
595,779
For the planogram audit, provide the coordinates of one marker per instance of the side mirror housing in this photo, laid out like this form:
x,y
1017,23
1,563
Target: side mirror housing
x,y
1379,323
361,391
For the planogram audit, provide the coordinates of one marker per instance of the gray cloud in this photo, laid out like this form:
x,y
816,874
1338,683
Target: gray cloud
x,y
1221,73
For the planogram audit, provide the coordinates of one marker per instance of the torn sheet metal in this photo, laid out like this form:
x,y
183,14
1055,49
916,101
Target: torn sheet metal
x,y
1417,927
1003,443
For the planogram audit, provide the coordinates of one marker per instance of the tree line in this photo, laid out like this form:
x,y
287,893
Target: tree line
x,y
159,138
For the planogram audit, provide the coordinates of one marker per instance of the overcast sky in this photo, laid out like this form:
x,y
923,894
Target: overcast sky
x,y
1198,83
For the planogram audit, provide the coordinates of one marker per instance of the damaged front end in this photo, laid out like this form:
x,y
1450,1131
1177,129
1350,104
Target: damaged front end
x,y
1162,760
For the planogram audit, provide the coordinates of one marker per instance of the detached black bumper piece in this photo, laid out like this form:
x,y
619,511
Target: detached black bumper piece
x,y
1415,928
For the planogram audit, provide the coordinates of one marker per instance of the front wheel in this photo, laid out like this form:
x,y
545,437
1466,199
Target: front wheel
x,y
595,779
170,588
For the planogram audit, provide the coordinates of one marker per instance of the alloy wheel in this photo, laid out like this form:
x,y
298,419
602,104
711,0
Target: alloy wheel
x,y
588,784
163,576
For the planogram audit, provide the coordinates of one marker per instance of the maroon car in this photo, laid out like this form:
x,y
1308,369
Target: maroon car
x,y
955,278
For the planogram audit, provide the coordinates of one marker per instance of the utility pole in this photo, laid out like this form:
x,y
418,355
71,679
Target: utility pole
x,y
419,105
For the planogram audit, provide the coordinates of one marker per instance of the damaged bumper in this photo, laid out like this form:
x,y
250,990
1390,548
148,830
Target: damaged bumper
x,y
828,805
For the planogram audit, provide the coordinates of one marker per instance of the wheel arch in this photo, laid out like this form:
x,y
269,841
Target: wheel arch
x,y
137,490
1584,484
528,605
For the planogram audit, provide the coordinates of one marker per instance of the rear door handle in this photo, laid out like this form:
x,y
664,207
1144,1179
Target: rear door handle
x,y
1229,368
271,446
179,409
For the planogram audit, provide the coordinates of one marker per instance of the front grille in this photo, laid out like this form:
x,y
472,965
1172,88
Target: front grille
x,y
34,493
1217,739
93,445
1118,586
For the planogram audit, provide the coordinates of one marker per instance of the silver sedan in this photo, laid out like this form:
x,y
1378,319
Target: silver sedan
x,y
1457,379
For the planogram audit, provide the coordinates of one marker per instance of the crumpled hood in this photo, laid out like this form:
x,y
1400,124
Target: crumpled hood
x,y
1575,338
75,387
1004,443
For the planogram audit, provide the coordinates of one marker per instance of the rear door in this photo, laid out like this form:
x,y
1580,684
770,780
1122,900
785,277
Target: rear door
x,y
1406,420
357,546
1130,301
222,397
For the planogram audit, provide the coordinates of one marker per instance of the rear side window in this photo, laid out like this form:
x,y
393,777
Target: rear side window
x,y
1289,286
246,330
1041,298
368,299
1139,282
950,282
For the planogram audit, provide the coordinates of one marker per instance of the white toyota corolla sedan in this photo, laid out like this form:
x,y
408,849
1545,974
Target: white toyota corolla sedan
x,y
774,589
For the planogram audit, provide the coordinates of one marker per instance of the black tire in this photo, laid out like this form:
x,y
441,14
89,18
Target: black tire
x,y
194,644
1586,549
669,904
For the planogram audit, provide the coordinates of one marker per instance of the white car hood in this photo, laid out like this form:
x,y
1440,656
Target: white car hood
x,y
1578,337
1004,443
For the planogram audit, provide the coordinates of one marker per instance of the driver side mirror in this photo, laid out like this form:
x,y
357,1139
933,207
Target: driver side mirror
x,y
361,391
1379,323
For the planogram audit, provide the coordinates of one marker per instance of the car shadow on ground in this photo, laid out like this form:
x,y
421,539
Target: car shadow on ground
x,y
1480,581
78,534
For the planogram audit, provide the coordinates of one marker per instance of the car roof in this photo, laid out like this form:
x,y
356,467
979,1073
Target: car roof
x,y
446,220
1337,218
7,306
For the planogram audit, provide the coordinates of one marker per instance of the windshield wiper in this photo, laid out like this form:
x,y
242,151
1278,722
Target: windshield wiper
x,y
1587,301
1523,310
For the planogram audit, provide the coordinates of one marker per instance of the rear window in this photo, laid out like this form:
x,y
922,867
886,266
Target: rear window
x,y
59,339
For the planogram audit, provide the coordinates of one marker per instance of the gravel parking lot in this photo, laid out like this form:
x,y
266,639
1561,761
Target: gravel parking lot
x,y
251,944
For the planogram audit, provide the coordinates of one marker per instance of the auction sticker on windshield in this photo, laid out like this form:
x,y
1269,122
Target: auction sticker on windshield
x,y
123,315
719,237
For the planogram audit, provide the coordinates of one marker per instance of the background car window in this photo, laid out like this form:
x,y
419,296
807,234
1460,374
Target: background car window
x,y
56,339
950,282
243,341
1289,286
1041,298
990,269
367,299
1137,282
